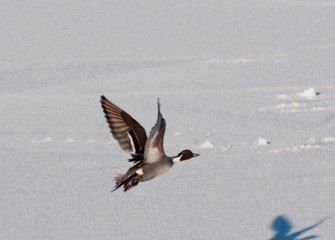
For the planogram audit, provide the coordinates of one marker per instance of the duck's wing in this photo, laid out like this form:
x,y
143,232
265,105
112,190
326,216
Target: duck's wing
x,y
154,149
125,129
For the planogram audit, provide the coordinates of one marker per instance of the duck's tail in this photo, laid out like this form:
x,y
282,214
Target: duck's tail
x,y
128,181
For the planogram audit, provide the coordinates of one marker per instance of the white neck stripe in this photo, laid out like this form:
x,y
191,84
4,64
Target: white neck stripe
x,y
176,159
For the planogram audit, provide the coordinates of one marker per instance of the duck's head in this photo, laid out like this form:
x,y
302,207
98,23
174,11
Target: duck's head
x,y
184,155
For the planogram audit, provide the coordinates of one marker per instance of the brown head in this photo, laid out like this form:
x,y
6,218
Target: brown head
x,y
184,155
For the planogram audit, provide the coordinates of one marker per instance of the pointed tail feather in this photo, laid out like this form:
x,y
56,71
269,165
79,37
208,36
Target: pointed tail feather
x,y
118,181
128,182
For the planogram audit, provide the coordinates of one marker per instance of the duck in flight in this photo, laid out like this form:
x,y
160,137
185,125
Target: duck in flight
x,y
147,153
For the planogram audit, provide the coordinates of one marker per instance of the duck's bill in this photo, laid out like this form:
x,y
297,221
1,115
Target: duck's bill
x,y
196,155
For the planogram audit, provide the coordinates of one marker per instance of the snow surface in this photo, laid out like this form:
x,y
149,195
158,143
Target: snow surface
x,y
310,93
262,142
228,71
206,145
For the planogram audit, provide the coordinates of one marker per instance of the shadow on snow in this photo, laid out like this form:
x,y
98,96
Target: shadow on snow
x,y
282,227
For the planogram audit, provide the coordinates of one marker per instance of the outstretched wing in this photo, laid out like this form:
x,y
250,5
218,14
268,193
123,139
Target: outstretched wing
x,y
154,149
125,129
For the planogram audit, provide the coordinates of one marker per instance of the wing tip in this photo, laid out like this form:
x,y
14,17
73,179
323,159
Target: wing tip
x,y
102,99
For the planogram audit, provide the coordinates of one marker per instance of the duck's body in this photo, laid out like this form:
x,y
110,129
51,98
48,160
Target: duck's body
x,y
147,153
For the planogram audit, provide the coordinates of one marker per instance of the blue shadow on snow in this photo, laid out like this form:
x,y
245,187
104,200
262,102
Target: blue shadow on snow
x,y
282,226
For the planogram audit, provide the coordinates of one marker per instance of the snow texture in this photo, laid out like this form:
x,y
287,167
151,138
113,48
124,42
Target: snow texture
x,y
227,71
262,141
309,93
206,145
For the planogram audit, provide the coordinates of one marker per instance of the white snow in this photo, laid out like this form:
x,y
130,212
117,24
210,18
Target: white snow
x,y
262,142
282,96
69,140
309,93
324,144
45,140
311,144
91,141
293,106
206,145
306,101
328,140
214,61
226,72
226,148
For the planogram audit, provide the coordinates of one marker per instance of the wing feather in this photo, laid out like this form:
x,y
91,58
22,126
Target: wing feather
x,y
154,147
130,135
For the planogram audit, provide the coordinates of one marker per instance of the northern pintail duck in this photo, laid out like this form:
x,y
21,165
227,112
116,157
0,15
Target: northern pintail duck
x,y
147,153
